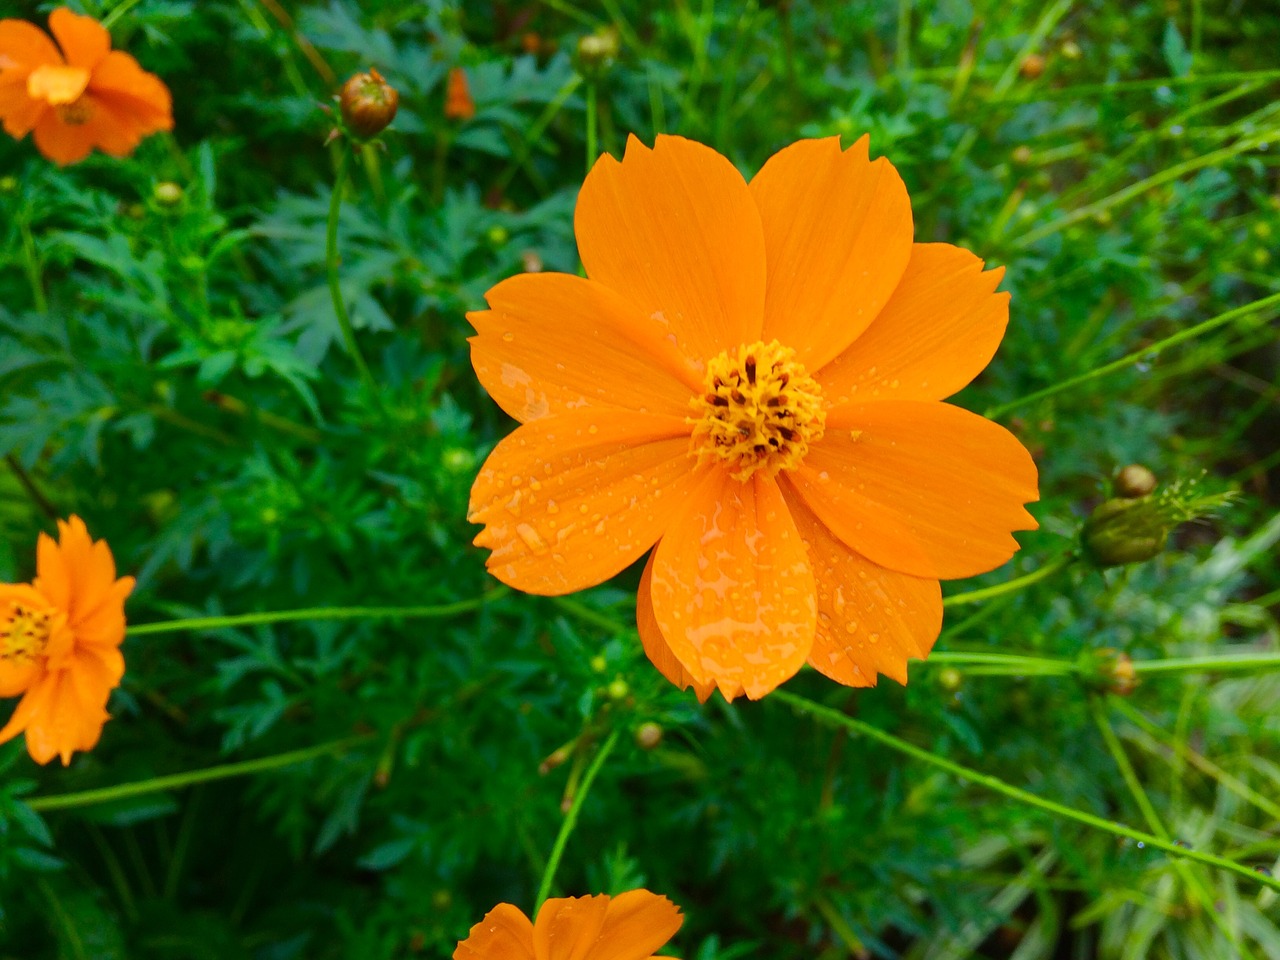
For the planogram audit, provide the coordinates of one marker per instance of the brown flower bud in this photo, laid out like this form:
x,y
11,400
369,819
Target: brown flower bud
x,y
648,736
1134,481
458,104
1123,531
1032,67
368,104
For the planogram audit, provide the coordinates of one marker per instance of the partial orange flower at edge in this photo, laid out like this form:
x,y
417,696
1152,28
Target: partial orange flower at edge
x,y
60,642
458,102
79,97
630,926
751,379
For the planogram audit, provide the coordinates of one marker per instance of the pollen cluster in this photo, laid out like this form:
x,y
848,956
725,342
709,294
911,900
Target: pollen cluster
x,y
24,633
760,411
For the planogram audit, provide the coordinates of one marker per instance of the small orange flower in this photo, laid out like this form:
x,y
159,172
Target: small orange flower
x,y
630,926
751,377
83,96
458,104
60,642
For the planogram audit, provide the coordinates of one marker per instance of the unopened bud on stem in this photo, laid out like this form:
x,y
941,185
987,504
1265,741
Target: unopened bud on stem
x,y
368,104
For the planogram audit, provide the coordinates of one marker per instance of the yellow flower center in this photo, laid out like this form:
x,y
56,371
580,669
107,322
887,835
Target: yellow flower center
x,y
24,632
760,412
56,84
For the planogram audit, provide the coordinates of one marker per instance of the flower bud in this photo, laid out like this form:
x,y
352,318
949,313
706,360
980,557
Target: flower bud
x,y
1109,671
167,193
8,184
1129,530
1122,531
1032,67
458,104
1134,481
618,689
1022,155
648,736
1071,50
598,50
368,104
950,679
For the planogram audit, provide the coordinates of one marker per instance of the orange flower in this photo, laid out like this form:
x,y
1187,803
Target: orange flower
x,y
751,379
60,644
458,104
629,926
81,97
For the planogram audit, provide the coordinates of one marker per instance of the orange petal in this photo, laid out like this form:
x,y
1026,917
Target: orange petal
x,y
675,232
837,231
655,644
568,501
84,40
552,342
56,718
870,620
57,84
64,143
77,574
19,112
733,593
922,488
567,928
636,924
133,93
938,331
504,934
24,46
104,625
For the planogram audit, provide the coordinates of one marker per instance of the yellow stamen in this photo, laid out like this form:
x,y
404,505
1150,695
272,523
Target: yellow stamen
x,y
761,410
57,85
24,632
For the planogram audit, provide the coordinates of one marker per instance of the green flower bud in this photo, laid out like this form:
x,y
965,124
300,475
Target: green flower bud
x,y
648,736
1130,530
167,193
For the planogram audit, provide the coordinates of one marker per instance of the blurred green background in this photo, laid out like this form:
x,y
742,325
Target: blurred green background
x,y
171,369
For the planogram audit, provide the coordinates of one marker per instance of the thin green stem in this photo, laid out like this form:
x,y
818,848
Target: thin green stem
x,y
1211,159
1011,586
570,820
123,791
1009,664
31,263
1248,662
1146,353
995,784
592,122
1149,814
317,613
333,261
119,11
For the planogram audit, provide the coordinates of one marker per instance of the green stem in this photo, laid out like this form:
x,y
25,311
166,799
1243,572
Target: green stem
x,y
1149,814
1011,586
570,820
85,798
1013,664
120,10
24,479
316,613
997,785
592,121
1146,353
1226,662
332,262
31,262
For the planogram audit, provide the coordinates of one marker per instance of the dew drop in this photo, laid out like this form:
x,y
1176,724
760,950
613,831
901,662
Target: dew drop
x,y
508,337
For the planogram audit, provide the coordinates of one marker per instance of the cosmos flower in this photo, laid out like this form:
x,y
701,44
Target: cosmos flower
x,y
60,642
630,926
751,377
78,94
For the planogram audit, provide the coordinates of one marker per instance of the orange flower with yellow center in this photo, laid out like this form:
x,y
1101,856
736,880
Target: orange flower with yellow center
x,y
79,97
60,641
751,378
630,926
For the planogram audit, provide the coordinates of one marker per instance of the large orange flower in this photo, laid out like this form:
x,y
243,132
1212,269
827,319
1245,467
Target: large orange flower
x,y
83,96
629,926
60,644
751,379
